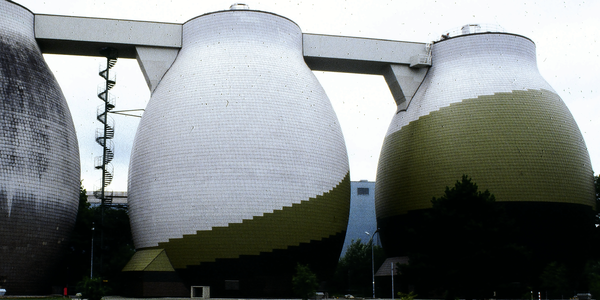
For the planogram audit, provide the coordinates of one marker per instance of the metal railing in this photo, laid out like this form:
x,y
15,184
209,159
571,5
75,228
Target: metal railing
x,y
470,29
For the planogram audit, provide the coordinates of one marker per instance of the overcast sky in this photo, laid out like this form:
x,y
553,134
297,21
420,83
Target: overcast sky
x,y
565,33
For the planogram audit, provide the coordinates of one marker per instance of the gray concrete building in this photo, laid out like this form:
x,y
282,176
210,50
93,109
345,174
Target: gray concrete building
x,y
362,214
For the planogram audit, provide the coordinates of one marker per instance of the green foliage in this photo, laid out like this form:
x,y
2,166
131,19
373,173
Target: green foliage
x,y
113,244
592,274
93,288
304,282
463,247
597,186
118,243
77,260
555,281
353,273
409,296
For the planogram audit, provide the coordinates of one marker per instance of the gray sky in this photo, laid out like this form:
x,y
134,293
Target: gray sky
x,y
565,33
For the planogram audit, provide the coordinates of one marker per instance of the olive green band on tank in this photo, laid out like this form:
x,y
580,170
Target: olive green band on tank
x,y
316,219
521,146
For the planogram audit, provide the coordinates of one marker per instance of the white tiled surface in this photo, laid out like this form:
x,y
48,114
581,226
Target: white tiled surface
x,y
39,156
473,65
17,23
238,127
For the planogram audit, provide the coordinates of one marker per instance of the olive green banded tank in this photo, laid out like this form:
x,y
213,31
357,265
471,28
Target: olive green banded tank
x,y
483,110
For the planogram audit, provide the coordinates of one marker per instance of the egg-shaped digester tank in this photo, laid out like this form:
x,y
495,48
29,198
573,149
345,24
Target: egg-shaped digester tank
x,y
484,110
39,160
239,164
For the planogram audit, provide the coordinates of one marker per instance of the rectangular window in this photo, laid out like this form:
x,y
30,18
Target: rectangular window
x,y
362,191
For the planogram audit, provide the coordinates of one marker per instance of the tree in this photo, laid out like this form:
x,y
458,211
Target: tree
x,y
597,186
304,282
353,272
592,272
78,256
555,281
110,255
463,246
118,245
93,288
592,268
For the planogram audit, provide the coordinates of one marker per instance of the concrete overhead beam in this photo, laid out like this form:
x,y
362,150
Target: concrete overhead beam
x,y
357,55
402,64
79,35
86,36
156,45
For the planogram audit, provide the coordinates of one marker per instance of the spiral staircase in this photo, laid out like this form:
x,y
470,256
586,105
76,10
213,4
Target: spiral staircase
x,y
105,134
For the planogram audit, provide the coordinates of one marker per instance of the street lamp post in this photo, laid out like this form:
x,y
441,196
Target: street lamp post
x,y
392,267
92,254
372,258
